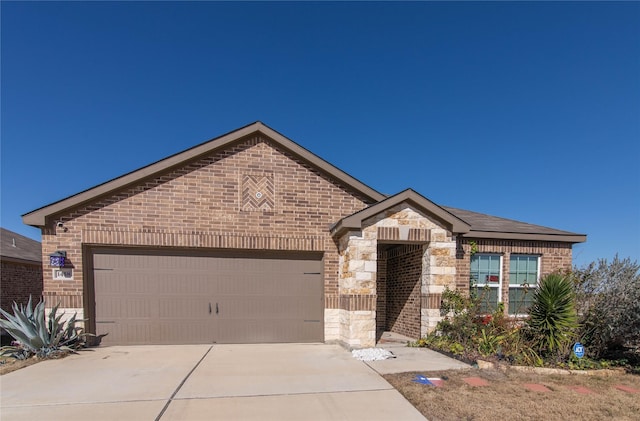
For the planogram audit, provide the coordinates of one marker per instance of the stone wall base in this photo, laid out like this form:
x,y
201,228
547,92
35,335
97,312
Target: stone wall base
x,y
429,320
331,324
358,328
67,314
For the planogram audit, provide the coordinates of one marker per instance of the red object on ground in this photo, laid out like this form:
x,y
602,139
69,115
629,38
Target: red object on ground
x,y
626,388
581,389
536,387
475,381
437,381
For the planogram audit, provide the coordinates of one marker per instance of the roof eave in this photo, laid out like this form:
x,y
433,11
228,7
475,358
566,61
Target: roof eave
x,y
562,238
21,261
37,218
409,196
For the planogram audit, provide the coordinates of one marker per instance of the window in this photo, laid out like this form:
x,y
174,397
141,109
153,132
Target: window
x,y
486,278
523,279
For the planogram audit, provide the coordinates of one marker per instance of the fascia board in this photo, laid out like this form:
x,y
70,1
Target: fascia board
x,y
562,238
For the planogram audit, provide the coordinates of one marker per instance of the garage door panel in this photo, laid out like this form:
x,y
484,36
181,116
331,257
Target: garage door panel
x,y
177,286
243,308
158,297
183,308
174,331
131,333
268,331
131,307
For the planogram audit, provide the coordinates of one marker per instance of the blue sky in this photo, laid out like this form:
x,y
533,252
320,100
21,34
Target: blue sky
x,y
529,111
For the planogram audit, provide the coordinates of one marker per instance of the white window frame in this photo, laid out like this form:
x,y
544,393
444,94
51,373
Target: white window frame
x,y
479,285
532,287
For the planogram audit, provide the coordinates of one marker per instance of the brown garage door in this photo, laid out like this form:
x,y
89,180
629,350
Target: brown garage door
x,y
171,297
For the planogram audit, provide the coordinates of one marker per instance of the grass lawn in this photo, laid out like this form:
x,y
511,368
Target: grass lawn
x,y
506,397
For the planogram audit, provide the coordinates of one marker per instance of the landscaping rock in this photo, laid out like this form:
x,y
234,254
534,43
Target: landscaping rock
x,y
372,354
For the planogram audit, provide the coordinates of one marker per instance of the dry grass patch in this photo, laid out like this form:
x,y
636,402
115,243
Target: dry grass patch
x,y
507,398
7,365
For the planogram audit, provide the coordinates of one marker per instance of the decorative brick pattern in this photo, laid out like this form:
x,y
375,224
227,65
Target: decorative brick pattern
x,y
388,234
64,301
332,301
258,193
204,239
419,235
358,302
402,234
431,301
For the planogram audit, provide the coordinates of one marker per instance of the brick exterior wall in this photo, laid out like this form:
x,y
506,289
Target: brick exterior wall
x,y
205,204
254,194
402,286
381,289
18,281
554,256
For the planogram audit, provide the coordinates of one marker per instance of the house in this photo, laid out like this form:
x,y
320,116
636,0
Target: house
x,y
250,237
21,271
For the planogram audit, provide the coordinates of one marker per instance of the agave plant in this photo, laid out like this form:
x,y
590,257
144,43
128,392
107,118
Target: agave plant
x,y
553,318
36,335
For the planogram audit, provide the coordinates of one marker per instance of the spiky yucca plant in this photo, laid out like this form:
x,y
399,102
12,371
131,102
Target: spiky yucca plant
x,y
36,335
553,319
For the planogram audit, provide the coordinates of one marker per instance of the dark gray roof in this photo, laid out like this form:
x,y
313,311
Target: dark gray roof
x,y
16,246
483,225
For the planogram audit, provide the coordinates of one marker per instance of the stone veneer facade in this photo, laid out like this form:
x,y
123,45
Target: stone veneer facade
x,y
436,252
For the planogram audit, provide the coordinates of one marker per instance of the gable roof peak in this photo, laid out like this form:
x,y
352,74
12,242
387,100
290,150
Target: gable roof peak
x,y
40,217
410,196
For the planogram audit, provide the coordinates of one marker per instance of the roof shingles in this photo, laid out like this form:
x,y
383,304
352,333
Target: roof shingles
x,y
487,223
16,246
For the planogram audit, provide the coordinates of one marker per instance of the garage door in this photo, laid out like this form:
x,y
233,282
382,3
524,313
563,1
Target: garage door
x,y
171,297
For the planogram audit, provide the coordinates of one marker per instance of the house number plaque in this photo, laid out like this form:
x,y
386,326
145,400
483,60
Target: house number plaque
x,y
63,274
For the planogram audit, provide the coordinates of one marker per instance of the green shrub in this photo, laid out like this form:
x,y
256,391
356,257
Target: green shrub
x,y
36,335
471,333
489,343
553,319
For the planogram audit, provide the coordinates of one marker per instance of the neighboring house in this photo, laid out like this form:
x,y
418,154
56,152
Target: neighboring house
x,y
21,271
249,237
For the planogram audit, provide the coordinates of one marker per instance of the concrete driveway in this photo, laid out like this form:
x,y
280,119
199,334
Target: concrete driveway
x,y
198,382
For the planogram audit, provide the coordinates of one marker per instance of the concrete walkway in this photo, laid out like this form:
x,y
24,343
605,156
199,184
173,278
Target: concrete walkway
x,y
197,382
411,359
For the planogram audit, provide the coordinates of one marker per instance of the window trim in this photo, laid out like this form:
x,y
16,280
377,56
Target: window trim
x,y
520,286
479,284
